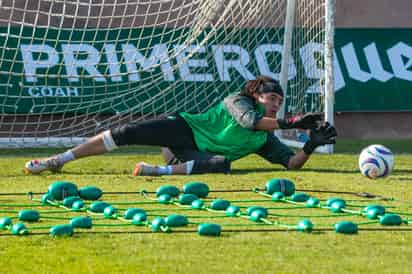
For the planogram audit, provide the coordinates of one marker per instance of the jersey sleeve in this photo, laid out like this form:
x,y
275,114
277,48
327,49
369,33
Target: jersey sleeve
x,y
275,151
243,110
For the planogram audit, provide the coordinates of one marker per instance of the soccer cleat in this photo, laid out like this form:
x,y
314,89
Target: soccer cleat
x,y
39,165
144,169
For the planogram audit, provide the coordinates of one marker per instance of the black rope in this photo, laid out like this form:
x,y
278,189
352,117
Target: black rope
x,y
359,194
315,230
19,194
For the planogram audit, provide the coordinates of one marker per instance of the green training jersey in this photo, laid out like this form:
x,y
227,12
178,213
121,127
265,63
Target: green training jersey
x,y
216,131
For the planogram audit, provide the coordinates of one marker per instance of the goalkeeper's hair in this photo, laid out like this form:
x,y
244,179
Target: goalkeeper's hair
x,y
262,84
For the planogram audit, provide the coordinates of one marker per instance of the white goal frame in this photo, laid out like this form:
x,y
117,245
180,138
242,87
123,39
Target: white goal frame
x,y
329,98
210,13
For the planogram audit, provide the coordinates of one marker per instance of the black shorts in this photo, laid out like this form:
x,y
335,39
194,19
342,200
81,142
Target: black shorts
x,y
172,132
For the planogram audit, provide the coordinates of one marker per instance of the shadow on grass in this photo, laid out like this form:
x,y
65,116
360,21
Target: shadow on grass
x,y
401,171
235,171
404,179
322,170
49,175
303,170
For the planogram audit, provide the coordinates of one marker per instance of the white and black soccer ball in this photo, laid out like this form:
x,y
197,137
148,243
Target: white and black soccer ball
x,y
376,161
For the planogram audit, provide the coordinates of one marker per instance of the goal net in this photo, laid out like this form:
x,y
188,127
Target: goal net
x,y
71,69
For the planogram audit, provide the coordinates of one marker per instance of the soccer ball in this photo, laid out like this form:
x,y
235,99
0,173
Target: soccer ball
x,y
376,161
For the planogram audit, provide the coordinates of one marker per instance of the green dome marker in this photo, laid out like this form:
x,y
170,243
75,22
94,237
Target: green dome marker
x,y
390,219
374,211
278,196
164,199
332,200
60,190
304,225
167,189
176,220
129,214
98,207
90,193
337,206
199,189
61,230
77,205
157,224
5,223
45,198
19,229
249,210
187,199
257,214
209,230
346,227
219,204
197,204
68,202
109,212
285,186
139,219
81,222
300,197
29,215
313,202
232,211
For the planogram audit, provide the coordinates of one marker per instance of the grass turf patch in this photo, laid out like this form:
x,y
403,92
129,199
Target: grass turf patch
x,y
257,252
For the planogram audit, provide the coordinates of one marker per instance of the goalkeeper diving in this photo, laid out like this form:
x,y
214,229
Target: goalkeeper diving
x,y
208,142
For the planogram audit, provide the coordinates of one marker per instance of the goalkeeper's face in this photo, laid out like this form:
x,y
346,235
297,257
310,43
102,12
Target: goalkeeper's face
x,y
271,101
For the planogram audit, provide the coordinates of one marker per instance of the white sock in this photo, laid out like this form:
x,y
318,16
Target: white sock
x,y
189,166
108,141
65,157
164,170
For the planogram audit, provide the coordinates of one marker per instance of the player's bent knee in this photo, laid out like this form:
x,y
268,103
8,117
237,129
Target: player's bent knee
x,y
122,135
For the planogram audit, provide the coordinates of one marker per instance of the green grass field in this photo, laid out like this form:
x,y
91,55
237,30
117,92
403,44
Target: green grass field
x,y
386,250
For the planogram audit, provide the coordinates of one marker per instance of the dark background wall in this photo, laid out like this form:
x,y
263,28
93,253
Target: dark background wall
x,y
374,14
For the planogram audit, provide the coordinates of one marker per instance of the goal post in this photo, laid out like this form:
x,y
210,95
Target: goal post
x,y
304,95
71,69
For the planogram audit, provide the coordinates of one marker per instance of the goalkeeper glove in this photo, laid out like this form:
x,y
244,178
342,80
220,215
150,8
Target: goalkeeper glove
x,y
306,121
320,136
